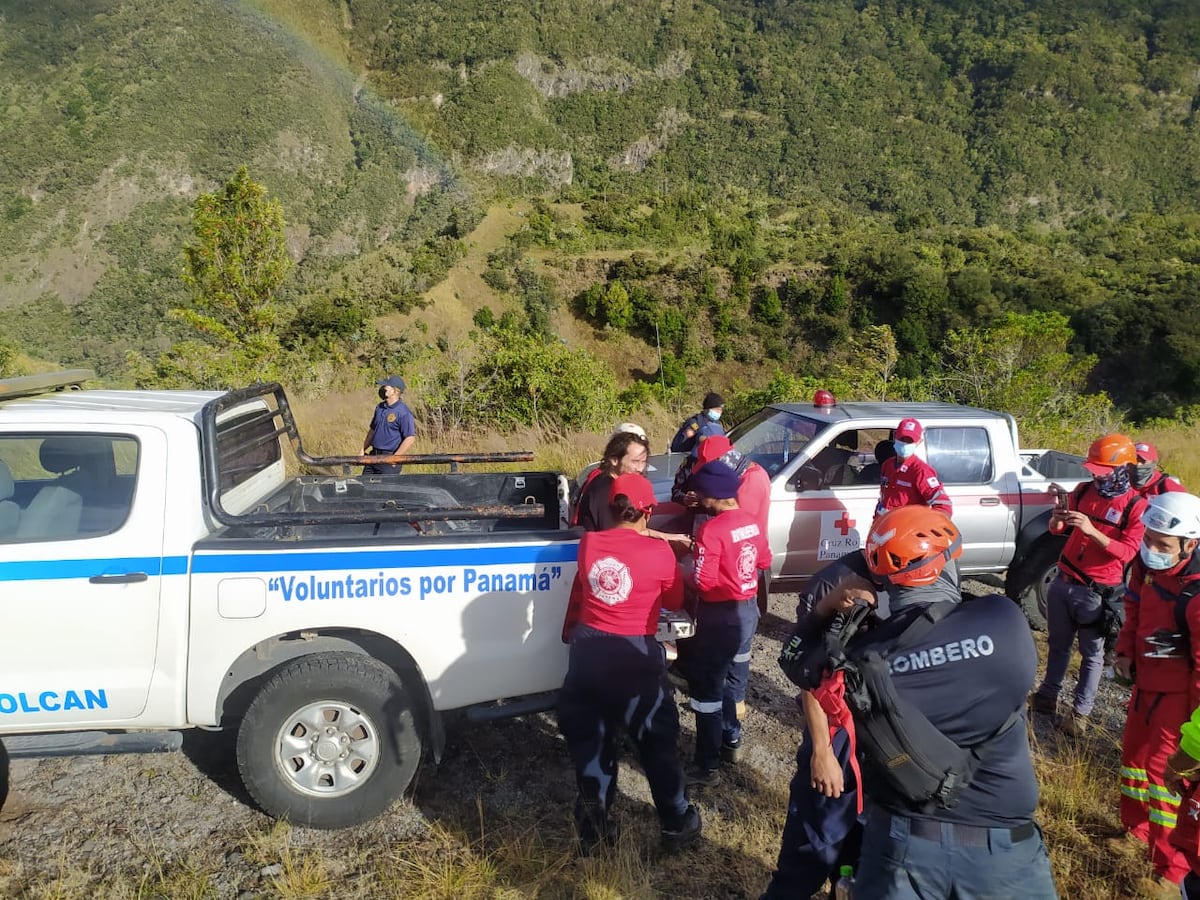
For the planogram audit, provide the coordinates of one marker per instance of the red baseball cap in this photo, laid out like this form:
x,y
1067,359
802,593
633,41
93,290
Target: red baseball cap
x,y
909,430
636,487
713,447
1146,452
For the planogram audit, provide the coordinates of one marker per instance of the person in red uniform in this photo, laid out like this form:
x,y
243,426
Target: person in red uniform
x,y
728,551
1159,649
753,496
906,479
1148,478
1104,521
616,678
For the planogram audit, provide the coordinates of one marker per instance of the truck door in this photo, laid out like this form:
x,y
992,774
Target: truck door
x,y
828,502
81,532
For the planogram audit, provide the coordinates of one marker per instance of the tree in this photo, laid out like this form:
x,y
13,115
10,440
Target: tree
x,y
237,260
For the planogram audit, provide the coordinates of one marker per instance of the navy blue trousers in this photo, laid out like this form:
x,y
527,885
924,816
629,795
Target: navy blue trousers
x,y
617,685
723,630
821,833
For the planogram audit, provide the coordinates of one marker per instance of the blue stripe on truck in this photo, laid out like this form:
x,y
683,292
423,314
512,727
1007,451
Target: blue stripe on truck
x,y
370,559
46,569
221,563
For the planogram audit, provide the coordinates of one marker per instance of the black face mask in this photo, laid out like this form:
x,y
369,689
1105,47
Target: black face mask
x,y
1143,473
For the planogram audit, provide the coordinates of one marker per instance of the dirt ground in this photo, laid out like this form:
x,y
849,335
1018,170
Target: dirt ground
x,y
104,818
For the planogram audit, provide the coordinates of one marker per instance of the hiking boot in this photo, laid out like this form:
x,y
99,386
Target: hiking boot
x,y
1073,725
683,832
731,751
1043,706
694,776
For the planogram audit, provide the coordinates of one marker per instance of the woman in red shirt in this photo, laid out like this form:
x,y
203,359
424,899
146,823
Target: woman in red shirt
x,y
616,679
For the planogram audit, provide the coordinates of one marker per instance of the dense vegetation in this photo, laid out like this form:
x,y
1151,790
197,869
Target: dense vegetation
x,y
875,193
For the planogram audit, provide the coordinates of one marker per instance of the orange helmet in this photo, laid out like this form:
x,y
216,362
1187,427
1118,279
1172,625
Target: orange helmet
x,y
910,545
1108,452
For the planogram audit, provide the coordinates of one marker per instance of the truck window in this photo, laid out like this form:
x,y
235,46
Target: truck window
x,y
773,437
59,486
249,456
960,455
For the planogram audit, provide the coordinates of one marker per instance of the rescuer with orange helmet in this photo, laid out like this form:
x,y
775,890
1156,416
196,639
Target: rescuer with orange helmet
x,y
1103,521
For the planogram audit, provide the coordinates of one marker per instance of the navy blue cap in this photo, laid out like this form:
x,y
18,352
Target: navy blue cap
x,y
393,381
716,480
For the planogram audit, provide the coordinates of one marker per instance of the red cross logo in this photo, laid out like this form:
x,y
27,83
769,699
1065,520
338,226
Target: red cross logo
x,y
845,523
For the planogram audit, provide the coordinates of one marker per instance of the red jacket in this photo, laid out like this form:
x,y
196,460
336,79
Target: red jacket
x,y
1151,605
624,577
754,494
1160,483
911,482
730,549
1119,519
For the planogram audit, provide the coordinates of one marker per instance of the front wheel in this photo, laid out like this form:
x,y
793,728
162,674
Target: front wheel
x,y
1028,582
330,741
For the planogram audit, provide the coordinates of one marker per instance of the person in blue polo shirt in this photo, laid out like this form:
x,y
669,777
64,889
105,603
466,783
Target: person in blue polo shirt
x,y
392,429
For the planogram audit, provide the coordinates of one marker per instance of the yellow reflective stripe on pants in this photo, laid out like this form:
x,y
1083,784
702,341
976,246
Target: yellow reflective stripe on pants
x,y
1161,817
1135,793
1164,795
1134,774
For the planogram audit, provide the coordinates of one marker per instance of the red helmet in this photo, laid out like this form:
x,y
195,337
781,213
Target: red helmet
x,y
909,546
823,399
1108,452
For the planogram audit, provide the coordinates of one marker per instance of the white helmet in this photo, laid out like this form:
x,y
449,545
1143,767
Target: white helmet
x,y
1174,513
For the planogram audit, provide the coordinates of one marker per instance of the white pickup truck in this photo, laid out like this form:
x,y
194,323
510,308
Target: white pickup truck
x,y
165,565
825,485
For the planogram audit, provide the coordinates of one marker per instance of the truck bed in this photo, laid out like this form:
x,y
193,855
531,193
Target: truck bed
x,y
406,505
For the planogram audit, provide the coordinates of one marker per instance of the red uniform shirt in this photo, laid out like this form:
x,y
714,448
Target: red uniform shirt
x,y
911,482
1151,605
730,549
624,578
1120,520
754,494
1160,483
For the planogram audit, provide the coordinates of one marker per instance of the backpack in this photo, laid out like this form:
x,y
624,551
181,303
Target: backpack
x,y
910,758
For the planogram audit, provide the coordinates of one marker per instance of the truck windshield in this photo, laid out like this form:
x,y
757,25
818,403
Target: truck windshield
x,y
771,437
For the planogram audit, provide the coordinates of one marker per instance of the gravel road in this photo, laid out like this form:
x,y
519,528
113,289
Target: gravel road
x,y
91,822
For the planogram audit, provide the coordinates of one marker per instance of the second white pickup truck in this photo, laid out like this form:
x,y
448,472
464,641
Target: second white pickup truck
x,y
825,485
163,567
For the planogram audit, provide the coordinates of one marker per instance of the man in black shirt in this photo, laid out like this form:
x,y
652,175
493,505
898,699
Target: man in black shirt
x,y
969,675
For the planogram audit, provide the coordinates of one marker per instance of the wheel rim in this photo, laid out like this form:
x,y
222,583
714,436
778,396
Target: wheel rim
x,y
327,748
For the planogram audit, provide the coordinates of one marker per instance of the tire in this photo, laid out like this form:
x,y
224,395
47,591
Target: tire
x,y
330,741
1028,581
763,597
3,774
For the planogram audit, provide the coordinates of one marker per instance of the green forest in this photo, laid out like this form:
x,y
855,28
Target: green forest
x,y
992,202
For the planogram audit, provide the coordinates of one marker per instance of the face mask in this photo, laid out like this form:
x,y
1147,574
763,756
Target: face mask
x,y
1155,560
1114,484
904,449
713,414
1143,473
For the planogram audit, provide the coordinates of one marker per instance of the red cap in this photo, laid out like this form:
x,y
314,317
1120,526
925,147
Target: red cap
x,y
713,447
909,430
636,487
1146,451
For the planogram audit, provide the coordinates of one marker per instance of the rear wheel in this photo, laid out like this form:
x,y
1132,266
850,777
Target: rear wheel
x,y
1028,582
330,741
3,774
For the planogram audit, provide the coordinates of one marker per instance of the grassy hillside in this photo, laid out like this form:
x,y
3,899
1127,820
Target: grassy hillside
x,y
764,181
